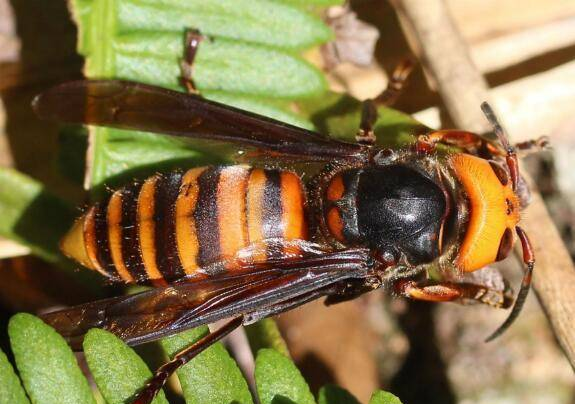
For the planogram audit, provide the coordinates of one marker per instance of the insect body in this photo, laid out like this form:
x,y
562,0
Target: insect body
x,y
190,224
246,242
394,210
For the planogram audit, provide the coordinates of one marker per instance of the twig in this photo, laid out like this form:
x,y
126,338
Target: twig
x,y
548,107
463,88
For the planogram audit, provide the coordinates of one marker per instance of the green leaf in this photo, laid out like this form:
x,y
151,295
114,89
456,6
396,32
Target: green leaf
x,y
11,391
279,381
118,371
331,394
120,156
81,11
32,216
256,21
266,334
383,397
340,115
249,60
153,58
46,363
213,377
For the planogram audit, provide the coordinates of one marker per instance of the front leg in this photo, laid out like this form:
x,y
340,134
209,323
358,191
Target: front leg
x,y
472,143
451,291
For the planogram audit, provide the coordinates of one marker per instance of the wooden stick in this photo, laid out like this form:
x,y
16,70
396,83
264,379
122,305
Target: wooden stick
x,y
527,117
463,88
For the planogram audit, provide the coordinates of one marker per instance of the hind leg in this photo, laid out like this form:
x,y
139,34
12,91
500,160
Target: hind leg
x,y
397,81
396,85
192,42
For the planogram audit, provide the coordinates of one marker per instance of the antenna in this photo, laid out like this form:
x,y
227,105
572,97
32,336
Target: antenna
x,y
511,156
528,256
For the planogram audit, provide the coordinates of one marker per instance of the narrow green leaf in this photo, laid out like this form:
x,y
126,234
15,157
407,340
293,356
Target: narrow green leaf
x,y
256,21
330,394
224,65
32,216
383,397
46,363
213,377
11,391
279,381
118,371
266,334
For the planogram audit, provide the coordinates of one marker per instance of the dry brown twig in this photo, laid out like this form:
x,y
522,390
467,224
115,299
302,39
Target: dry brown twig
x,y
447,59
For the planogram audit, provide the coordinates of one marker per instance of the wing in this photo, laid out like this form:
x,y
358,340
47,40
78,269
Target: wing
x,y
165,311
128,105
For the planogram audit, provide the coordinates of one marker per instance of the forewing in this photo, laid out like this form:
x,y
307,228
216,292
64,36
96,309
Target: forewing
x,y
164,311
136,106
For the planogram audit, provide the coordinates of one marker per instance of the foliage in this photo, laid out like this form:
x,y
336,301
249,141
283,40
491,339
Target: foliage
x,y
50,373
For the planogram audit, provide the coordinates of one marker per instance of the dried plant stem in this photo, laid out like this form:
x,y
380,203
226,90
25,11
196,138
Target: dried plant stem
x,y
462,87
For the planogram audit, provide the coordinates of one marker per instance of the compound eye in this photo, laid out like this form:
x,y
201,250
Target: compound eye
x,y
505,245
500,172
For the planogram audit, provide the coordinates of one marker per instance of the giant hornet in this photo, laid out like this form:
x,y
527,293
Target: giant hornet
x,y
244,242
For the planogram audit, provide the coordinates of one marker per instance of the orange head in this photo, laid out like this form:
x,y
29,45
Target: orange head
x,y
493,211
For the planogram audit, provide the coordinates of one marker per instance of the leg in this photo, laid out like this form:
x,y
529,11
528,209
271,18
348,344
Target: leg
x,y
192,42
470,142
529,261
396,84
187,354
350,290
448,292
365,134
532,146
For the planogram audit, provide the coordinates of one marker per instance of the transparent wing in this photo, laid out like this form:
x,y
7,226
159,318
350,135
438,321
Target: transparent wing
x,y
164,311
136,106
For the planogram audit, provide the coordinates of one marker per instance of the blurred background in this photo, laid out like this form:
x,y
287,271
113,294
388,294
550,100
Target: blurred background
x,y
423,353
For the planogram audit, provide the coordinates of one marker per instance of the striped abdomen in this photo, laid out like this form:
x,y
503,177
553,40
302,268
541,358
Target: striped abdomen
x,y
191,223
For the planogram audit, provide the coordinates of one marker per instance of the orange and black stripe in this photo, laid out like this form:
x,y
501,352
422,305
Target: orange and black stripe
x,y
167,260
100,228
131,235
191,223
272,206
205,217
186,230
